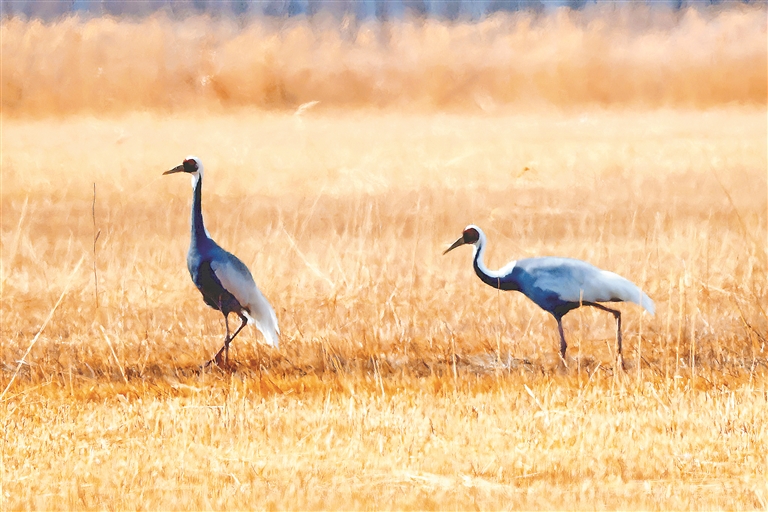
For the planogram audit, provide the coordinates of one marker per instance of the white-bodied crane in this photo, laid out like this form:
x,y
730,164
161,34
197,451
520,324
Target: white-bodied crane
x,y
556,285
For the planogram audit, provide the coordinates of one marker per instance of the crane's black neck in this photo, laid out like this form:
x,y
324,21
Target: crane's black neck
x,y
198,228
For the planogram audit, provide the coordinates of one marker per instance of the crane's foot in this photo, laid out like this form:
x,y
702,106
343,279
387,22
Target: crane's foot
x,y
219,360
214,362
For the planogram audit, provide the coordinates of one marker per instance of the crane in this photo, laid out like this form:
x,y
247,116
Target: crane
x,y
556,285
224,281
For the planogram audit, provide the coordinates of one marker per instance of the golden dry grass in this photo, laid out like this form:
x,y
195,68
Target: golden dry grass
x,y
604,57
402,382
402,379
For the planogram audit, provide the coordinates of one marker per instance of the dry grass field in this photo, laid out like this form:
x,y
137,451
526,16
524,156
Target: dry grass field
x,y
402,381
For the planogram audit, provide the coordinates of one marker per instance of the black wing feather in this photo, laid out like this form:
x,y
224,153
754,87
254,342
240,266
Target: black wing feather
x,y
214,294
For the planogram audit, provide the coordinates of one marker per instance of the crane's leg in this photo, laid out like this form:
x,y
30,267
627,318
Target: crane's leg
x,y
617,315
244,321
563,344
224,349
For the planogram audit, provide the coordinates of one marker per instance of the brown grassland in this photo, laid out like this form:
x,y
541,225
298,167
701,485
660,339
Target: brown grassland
x,y
402,381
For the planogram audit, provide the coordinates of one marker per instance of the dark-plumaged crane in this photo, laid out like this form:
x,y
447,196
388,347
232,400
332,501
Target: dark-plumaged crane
x,y
556,285
225,282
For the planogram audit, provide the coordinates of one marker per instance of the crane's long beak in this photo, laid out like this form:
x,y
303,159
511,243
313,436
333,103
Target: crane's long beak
x,y
457,243
178,168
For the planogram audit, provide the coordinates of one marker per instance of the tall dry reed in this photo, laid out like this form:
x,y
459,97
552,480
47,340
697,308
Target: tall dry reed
x,y
631,57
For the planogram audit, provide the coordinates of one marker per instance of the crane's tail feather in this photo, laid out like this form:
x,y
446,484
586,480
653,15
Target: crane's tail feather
x,y
647,303
263,317
622,289
634,294
268,328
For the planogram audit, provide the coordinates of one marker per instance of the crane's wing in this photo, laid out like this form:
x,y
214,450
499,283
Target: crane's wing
x,y
237,280
575,280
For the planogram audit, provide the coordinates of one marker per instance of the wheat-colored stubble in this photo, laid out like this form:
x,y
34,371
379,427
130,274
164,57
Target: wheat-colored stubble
x,y
401,381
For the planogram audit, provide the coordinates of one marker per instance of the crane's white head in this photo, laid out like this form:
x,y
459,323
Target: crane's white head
x,y
471,235
192,166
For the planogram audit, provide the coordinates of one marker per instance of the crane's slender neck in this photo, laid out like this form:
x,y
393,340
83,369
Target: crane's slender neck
x,y
198,228
496,278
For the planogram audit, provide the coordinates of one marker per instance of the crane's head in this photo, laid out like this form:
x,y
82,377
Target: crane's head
x,y
192,166
471,235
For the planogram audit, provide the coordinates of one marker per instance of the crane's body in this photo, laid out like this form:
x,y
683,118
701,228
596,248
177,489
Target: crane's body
x,y
556,285
224,281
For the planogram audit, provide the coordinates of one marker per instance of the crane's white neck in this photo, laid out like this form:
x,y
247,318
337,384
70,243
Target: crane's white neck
x,y
478,256
196,176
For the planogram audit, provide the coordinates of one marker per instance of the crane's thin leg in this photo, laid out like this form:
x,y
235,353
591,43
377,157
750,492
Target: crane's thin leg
x,y
225,348
230,338
244,321
227,341
563,344
617,315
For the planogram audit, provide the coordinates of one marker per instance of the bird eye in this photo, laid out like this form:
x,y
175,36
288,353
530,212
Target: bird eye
x,y
190,166
471,236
